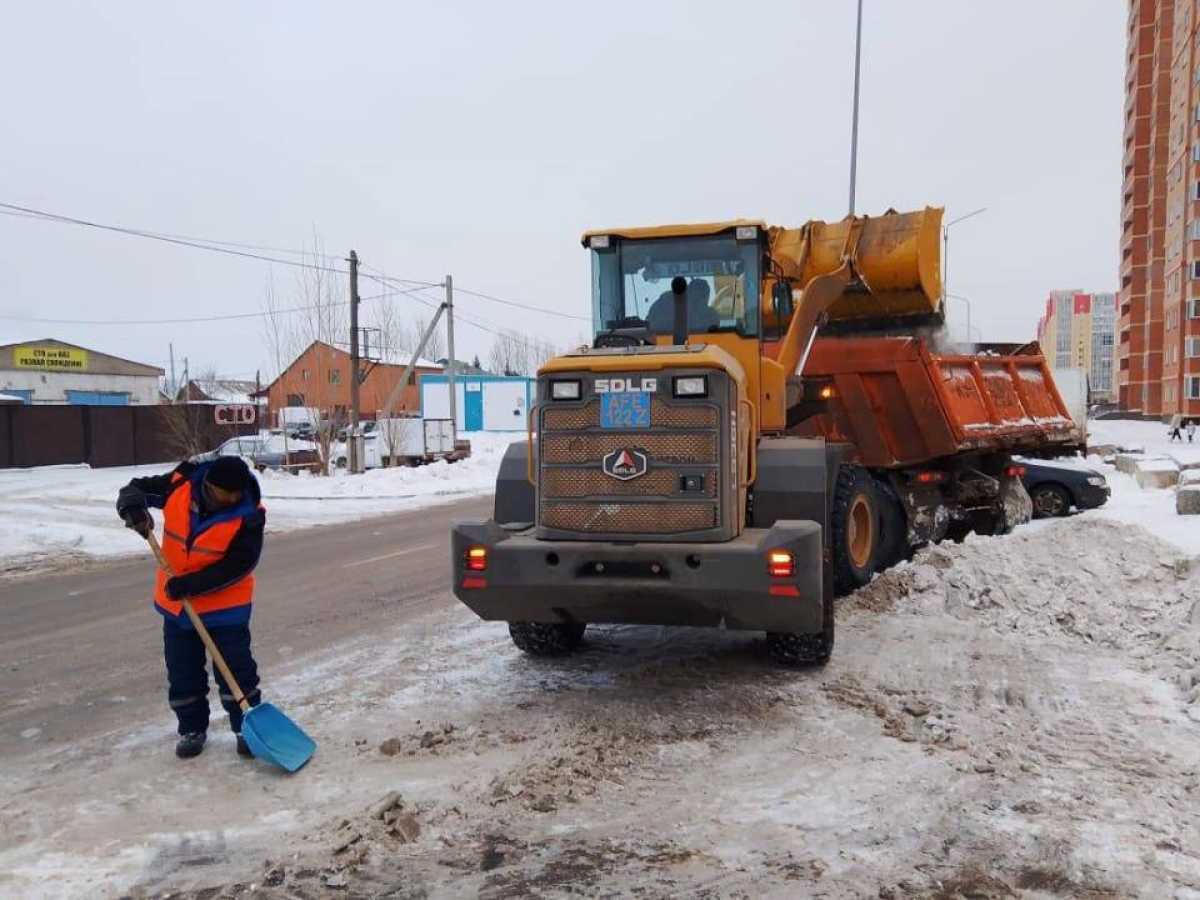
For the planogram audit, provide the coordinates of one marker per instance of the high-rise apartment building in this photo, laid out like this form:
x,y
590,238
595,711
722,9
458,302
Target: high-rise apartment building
x,y
1158,326
1077,331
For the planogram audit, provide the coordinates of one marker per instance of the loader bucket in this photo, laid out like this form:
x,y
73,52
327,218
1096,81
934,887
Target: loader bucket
x,y
897,259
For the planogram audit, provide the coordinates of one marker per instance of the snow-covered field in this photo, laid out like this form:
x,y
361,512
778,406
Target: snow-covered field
x,y
1007,717
64,514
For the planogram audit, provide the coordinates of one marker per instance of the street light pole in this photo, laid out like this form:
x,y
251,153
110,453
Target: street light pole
x,y
968,302
946,258
854,119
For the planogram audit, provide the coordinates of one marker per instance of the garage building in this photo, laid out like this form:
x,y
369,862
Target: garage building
x,y
54,372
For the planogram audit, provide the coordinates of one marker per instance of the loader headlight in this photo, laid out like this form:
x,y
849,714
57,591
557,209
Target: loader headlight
x,y
690,386
565,390
1096,480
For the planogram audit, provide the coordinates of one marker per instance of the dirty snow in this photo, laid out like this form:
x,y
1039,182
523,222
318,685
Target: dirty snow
x,y
55,515
1006,717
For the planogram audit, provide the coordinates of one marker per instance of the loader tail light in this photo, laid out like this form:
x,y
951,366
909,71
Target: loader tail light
x,y
476,559
781,564
826,393
1015,471
930,477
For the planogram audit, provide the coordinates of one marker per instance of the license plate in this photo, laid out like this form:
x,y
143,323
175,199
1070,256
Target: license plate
x,y
626,410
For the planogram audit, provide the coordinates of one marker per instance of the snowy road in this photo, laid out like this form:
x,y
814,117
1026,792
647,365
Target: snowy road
x,y
994,723
1008,717
73,643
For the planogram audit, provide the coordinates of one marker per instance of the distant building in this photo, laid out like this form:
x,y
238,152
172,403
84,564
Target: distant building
x,y
319,380
482,402
52,371
1078,331
220,390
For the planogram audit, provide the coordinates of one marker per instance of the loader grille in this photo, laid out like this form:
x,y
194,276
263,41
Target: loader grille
x,y
677,449
681,491
577,481
630,518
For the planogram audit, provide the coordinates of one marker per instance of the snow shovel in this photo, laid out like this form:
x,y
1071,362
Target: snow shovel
x,y
270,734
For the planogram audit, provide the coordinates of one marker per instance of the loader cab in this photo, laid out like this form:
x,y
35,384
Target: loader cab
x,y
633,271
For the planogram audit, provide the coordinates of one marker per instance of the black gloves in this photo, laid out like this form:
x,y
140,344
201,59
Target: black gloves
x,y
173,588
131,507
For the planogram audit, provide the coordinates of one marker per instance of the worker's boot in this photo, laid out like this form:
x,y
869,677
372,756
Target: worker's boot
x,y
190,744
243,749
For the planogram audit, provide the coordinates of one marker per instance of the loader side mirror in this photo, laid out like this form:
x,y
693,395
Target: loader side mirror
x,y
782,296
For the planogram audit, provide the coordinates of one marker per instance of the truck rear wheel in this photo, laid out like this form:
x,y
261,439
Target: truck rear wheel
x,y
855,529
547,638
893,544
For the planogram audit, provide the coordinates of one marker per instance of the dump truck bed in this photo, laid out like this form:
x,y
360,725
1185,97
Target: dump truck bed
x,y
902,404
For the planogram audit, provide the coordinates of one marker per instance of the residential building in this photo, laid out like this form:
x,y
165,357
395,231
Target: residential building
x,y
1158,325
52,371
221,390
1077,331
319,380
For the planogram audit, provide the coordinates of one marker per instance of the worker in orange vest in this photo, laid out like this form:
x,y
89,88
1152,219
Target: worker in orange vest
x,y
213,522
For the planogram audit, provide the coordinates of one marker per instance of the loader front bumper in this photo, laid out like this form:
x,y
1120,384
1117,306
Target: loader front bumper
x,y
712,584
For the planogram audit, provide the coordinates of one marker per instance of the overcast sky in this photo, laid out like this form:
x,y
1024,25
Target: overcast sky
x,y
481,139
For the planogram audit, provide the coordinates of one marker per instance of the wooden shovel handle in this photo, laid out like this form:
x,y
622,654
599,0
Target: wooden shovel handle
x,y
217,658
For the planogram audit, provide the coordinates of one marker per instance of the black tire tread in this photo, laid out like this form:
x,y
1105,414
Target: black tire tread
x,y
851,480
801,649
546,638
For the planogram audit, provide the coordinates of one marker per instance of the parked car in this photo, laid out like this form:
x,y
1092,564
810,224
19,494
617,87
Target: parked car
x,y
268,452
1055,487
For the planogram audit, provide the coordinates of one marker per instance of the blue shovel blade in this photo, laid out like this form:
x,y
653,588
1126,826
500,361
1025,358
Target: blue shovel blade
x,y
274,737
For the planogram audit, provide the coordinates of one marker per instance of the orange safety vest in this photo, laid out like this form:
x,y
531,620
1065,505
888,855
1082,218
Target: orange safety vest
x,y
186,552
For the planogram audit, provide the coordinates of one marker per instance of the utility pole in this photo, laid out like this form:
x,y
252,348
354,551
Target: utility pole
x,y
174,383
354,383
450,360
854,120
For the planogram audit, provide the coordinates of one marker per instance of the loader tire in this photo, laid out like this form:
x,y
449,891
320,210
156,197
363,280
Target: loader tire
x,y
795,650
854,529
546,638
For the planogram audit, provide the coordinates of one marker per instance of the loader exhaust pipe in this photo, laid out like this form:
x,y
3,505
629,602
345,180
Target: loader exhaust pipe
x,y
679,290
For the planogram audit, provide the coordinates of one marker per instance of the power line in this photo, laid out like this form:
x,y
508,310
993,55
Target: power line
x,y
537,309
183,321
168,239
143,232
231,248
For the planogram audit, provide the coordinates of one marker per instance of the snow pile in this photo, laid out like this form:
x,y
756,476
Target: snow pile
x,y
1088,581
1054,582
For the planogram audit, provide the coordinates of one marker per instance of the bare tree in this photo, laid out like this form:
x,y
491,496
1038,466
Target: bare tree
x,y
314,315
514,353
435,347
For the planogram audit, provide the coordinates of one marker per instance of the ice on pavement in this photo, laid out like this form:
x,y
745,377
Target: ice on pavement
x,y
1022,707
56,514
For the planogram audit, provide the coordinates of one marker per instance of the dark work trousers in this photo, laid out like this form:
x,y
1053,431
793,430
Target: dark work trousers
x,y
187,680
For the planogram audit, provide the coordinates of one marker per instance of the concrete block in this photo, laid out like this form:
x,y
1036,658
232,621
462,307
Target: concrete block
x,y
1127,462
1157,472
1187,500
1189,477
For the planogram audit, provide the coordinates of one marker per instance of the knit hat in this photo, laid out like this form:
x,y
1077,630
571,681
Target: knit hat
x,y
229,473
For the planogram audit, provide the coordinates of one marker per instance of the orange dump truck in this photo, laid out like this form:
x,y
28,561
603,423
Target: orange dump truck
x,y
936,427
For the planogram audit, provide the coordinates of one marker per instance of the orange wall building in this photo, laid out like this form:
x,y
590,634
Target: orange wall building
x,y
319,378
1158,325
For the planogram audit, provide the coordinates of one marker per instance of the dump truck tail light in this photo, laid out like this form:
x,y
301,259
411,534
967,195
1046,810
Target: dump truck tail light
x,y
1015,471
931,477
476,559
781,564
